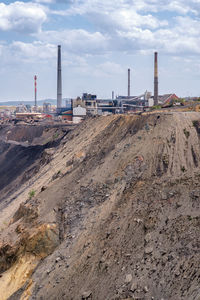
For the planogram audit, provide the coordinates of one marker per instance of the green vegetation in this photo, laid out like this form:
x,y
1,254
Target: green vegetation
x,y
180,100
183,169
31,194
165,160
56,135
156,107
195,123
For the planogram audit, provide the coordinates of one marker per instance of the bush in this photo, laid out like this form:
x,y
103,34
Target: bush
x,y
31,194
183,169
195,123
156,107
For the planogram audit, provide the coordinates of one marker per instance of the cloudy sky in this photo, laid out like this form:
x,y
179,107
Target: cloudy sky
x,y
100,40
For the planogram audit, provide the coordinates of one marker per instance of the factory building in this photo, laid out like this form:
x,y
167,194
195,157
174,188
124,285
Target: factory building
x,y
135,103
168,100
90,102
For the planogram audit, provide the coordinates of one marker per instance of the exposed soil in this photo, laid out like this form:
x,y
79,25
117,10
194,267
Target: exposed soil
x,y
115,213
22,152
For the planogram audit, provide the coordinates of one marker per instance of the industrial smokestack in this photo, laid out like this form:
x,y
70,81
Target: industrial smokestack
x,y
113,95
35,83
59,80
155,78
129,82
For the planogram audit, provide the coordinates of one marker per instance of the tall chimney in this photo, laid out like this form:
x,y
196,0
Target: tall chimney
x,y
113,95
59,80
129,82
35,83
155,78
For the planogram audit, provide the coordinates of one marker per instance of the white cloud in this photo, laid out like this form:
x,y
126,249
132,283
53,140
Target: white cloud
x,y
128,25
33,51
99,36
55,1
82,7
22,17
108,69
77,41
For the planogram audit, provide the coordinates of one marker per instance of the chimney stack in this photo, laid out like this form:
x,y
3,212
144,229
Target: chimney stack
x,y
129,82
113,95
35,83
155,78
59,80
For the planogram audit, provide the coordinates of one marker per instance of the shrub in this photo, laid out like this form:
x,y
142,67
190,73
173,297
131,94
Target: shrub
x,y
156,107
31,194
183,169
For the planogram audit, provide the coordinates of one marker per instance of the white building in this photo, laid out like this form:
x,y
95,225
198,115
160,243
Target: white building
x,y
79,111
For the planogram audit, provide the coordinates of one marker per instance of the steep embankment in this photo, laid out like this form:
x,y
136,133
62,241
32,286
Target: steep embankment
x,y
118,207
23,149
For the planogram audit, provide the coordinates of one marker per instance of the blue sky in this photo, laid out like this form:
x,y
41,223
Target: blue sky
x,y
100,40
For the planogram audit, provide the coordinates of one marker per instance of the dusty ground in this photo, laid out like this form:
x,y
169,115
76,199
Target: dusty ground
x,y
115,214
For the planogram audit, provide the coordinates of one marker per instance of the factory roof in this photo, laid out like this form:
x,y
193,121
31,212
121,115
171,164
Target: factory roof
x,y
166,97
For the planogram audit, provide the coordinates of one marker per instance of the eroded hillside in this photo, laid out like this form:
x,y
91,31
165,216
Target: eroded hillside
x,y
113,214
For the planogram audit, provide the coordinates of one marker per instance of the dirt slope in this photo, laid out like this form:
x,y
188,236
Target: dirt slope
x,y
116,214
22,152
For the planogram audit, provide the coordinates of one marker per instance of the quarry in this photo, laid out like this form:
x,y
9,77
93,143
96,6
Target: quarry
x,y
106,209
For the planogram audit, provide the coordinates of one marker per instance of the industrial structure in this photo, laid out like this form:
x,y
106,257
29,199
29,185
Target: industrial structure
x,y
155,78
59,79
75,110
129,82
35,84
113,95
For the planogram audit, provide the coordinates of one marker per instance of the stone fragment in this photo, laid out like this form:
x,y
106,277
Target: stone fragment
x,y
86,295
58,259
147,237
164,196
148,250
133,287
137,220
146,289
128,278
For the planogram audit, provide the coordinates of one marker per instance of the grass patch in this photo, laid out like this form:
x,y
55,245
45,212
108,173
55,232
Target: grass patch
x,y
31,194
156,107
56,135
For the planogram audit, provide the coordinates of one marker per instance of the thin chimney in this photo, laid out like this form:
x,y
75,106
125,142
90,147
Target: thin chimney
x,y
35,84
113,95
129,82
155,78
59,80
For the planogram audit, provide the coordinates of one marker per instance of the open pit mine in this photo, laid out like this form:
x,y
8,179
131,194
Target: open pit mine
x,y
108,209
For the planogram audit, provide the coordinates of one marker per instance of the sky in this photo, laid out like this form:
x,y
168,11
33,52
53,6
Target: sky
x,y
100,40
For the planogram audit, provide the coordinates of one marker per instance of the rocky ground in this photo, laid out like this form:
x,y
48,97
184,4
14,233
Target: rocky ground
x,y
112,212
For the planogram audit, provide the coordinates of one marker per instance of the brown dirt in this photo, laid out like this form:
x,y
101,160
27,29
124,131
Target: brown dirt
x,y
124,195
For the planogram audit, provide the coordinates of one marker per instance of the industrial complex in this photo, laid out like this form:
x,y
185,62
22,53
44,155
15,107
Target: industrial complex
x,y
108,209
75,110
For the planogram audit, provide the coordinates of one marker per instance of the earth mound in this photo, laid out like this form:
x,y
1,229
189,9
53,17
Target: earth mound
x,y
113,214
